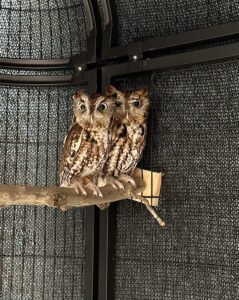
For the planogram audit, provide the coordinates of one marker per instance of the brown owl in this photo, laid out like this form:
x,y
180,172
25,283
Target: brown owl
x,y
86,146
128,134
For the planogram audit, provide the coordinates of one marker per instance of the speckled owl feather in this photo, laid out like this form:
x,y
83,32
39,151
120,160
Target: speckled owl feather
x,y
85,153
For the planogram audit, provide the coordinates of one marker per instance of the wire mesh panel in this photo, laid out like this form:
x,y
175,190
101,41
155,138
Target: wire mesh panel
x,y
41,249
42,29
144,19
194,139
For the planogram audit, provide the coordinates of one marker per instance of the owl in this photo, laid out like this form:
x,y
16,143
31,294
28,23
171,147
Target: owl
x,y
87,143
129,130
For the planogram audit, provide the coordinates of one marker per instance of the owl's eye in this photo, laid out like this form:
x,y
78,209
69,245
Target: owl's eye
x,y
82,107
137,103
102,107
118,104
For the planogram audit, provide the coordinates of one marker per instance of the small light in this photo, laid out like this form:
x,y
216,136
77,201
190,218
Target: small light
x,y
135,57
79,68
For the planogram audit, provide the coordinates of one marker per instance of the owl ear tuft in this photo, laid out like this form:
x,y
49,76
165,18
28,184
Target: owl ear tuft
x,y
111,90
80,95
101,98
142,92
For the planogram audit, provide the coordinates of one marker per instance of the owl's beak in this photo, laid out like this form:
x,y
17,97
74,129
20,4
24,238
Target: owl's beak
x,y
127,115
91,119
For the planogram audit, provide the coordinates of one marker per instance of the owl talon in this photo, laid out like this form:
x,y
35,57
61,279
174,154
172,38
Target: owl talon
x,y
114,186
92,187
127,179
77,186
115,183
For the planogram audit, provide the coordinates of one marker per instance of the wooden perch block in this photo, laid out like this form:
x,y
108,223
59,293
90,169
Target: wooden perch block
x,y
153,182
65,198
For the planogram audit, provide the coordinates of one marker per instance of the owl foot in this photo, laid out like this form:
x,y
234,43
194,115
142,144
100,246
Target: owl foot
x,y
78,187
92,187
115,183
127,179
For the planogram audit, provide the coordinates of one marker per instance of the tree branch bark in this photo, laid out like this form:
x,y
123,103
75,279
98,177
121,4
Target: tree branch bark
x,y
63,198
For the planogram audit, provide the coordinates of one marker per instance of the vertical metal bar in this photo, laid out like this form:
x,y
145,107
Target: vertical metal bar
x,y
91,31
73,254
90,273
90,226
46,173
106,222
54,258
105,273
36,183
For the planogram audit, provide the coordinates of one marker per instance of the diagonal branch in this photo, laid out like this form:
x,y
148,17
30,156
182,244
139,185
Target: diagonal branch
x,y
149,208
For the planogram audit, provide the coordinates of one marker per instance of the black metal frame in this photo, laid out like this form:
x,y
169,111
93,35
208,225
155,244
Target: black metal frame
x,y
140,47
106,219
78,77
75,61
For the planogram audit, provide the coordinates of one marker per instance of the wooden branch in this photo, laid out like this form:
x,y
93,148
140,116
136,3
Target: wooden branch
x,y
149,208
61,197
65,198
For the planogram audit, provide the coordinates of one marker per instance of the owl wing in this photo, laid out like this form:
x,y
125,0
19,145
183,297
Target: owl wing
x,y
133,150
70,150
119,135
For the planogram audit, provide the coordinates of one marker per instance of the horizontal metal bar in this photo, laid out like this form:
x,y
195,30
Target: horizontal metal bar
x,y
209,55
14,80
125,68
181,39
191,37
86,77
34,63
119,51
43,64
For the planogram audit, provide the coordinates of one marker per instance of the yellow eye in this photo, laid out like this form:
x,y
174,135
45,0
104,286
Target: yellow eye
x,y
102,107
82,107
137,103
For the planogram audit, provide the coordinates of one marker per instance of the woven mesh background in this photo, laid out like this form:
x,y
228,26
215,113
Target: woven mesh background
x,y
194,138
41,249
24,72
42,29
142,19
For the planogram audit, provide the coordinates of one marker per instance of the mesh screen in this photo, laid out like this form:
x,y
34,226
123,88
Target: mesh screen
x,y
25,72
41,249
142,19
194,139
42,29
